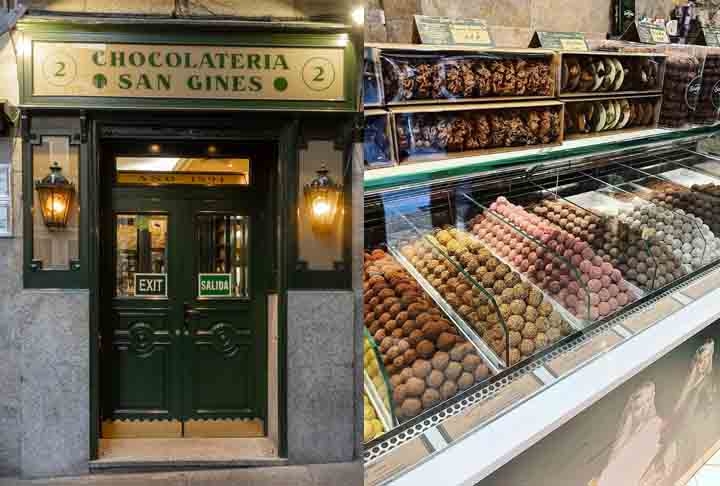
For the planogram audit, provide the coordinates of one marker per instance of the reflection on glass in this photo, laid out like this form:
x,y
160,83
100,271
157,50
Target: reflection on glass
x,y
141,248
224,247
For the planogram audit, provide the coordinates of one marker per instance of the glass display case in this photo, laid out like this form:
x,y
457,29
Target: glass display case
x,y
528,266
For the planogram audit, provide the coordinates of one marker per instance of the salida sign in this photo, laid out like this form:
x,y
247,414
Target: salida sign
x,y
167,71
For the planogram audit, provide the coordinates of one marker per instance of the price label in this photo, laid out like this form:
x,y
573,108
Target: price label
x,y
470,34
659,35
566,41
449,31
573,44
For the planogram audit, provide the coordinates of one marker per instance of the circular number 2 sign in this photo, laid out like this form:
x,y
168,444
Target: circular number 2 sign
x,y
318,74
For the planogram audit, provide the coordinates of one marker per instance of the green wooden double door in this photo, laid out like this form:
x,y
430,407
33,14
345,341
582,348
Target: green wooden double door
x,y
184,317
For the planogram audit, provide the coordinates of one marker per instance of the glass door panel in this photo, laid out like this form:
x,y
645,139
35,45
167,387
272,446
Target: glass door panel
x,y
223,251
142,249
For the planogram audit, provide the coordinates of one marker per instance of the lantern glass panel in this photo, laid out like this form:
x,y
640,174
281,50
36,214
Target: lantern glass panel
x,y
320,213
56,236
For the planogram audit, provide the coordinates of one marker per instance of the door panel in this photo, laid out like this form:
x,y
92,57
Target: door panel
x,y
177,363
227,334
141,335
142,348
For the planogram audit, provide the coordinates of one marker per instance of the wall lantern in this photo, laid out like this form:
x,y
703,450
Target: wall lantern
x,y
56,195
323,199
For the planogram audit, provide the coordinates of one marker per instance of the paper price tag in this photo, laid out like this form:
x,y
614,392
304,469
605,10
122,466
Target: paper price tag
x,y
470,34
573,44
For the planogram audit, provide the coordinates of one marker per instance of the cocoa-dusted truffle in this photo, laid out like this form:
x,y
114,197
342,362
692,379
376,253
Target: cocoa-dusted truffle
x,y
435,379
421,368
415,387
425,348
453,370
430,398
449,388
465,381
411,407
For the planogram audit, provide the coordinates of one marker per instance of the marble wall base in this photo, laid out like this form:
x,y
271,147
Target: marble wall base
x,y
321,382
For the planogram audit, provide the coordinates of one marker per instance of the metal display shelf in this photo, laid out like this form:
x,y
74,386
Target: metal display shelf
x,y
414,173
629,348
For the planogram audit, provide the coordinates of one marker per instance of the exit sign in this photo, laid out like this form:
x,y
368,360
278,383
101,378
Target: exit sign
x,y
215,285
151,285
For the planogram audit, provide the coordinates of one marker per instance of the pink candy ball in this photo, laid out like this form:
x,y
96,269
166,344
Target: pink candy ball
x,y
585,266
604,295
605,281
594,298
571,301
612,301
523,266
595,272
588,254
579,246
576,260
597,260
584,278
594,285
573,287
519,259
622,298
615,275
606,268
613,289
604,308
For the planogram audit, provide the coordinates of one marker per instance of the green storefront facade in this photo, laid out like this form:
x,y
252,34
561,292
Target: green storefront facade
x,y
206,303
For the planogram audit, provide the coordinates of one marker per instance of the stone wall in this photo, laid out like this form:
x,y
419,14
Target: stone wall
x,y
10,285
331,9
512,21
44,338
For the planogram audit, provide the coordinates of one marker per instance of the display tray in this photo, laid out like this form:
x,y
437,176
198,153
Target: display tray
x,y
602,115
426,133
624,241
426,74
600,73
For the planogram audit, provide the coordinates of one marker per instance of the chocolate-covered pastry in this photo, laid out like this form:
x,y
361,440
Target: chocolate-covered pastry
x,y
504,80
483,79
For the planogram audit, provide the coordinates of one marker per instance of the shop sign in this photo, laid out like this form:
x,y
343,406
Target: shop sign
x,y
215,285
151,285
561,41
451,31
178,178
187,71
